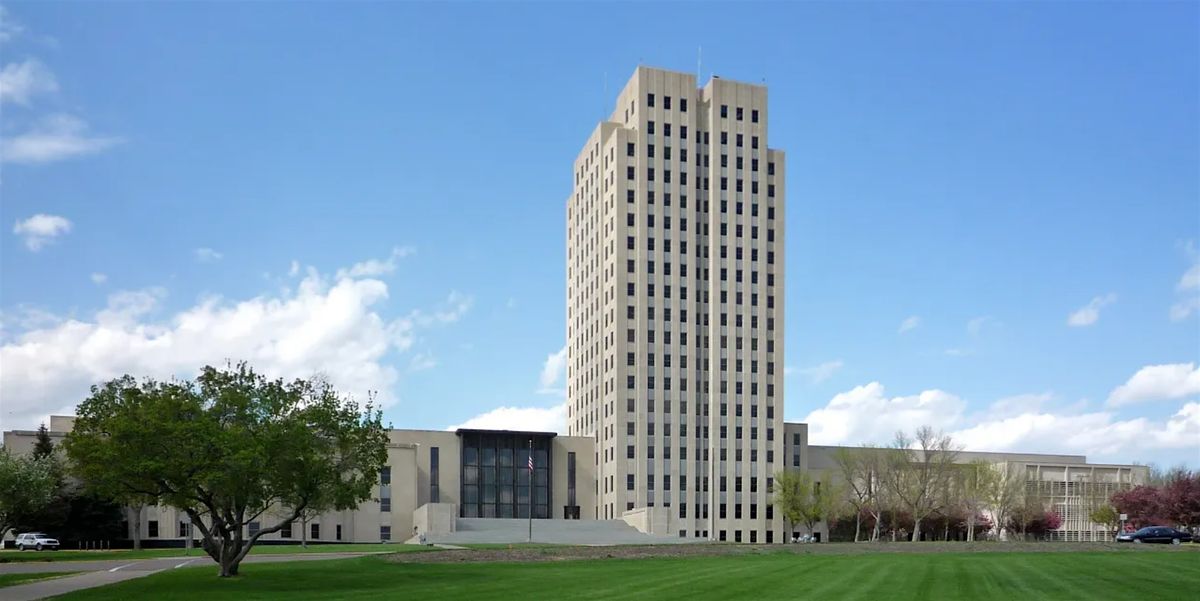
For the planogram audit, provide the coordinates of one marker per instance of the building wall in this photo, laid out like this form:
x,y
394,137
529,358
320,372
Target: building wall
x,y
1066,484
409,464
663,328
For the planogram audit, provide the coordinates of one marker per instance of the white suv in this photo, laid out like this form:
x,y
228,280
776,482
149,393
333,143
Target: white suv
x,y
36,540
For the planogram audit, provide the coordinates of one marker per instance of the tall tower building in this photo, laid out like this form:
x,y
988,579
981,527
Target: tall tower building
x,y
675,296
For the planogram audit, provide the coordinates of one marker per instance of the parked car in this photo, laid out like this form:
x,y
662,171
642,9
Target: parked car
x,y
36,541
1155,534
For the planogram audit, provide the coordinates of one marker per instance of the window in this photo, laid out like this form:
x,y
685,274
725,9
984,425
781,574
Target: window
x,y
630,149
754,116
649,99
252,528
683,105
314,531
286,531
385,533
338,531
385,475
571,479
629,481
724,114
385,504
183,529
667,102
739,113
152,528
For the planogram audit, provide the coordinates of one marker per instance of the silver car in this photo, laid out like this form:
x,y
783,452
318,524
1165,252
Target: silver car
x,y
36,541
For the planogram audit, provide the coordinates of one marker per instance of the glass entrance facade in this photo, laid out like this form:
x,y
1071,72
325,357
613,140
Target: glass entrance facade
x,y
496,476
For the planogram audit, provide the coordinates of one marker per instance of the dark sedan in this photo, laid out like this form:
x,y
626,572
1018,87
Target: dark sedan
x,y
1155,534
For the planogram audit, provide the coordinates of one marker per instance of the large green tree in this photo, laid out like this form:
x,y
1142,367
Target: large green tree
x,y
228,449
27,484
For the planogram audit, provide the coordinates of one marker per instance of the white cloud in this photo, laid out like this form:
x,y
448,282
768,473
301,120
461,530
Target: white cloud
x,y
1184,308
1020,423
376,267
54,138
422,362
1089,313
294,270
958,352
1096,434
909,324
552,370
1190,280
328,326
20,82
453,308
10,28
207,255
99,278
529,419
976,325
41,229
819,373
867,414
1157,383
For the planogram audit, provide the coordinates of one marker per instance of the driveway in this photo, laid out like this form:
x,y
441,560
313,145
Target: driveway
x,y
100,573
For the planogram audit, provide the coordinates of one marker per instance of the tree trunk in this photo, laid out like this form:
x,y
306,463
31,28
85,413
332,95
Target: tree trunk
x,y
916,533
946,530
230,562
304,533
875,528
857,525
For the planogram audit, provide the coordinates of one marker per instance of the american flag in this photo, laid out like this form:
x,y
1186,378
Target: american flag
x,y
531,463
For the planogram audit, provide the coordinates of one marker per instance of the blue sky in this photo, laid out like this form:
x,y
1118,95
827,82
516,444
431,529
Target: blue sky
x,y
376,191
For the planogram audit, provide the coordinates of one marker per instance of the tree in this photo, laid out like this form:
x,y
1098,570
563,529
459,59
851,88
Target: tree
x,y
802,500
860,478
975,481
1106,515
228,449
27,484
43,447
1143,504
919,470
1004,495
1179,497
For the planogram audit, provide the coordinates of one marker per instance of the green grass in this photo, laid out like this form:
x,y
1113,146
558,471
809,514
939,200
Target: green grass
x,y
893,576
7,556
15,579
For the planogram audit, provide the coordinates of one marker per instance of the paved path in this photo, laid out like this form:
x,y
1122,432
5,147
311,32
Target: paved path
x,y
102,572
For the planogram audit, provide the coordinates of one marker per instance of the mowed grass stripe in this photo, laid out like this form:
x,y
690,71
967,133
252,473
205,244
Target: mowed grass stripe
x,y
892,576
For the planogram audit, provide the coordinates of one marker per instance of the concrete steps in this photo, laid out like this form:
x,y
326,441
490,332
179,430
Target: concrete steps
x,y
559,532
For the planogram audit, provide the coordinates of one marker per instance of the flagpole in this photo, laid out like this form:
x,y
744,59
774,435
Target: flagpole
x,y
530,490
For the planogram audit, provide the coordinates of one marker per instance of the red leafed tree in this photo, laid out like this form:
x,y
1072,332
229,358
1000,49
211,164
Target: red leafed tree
x,y
1052,520
1143,505
1179,498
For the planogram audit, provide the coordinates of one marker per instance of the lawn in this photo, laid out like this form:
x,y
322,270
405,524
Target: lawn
x,y
7,556
14,579
893,576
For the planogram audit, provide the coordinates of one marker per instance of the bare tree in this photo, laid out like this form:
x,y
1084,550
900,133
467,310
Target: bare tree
x,y
974,482
919,470
1005,494
860,474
